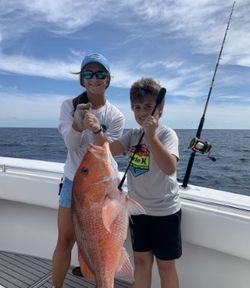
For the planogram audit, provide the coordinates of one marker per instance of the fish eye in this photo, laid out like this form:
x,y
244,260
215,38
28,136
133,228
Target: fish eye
x,y
84,170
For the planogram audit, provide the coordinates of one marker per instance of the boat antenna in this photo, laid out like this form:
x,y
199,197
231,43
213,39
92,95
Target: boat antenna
x,y
198,145
159,99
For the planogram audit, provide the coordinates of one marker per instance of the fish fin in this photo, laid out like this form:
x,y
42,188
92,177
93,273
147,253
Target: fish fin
x,y
110,210
134,208
125,269
86,272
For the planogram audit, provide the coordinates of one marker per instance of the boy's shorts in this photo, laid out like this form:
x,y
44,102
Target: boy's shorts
x,y
66,194
159,234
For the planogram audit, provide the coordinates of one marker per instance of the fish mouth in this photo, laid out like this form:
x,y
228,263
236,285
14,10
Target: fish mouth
x,y
103,179
106,178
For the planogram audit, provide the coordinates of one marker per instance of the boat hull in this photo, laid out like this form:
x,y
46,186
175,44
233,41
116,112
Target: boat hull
x,y
216,249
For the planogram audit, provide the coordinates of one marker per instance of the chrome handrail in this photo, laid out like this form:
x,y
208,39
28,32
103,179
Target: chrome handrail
x,y
216,203
12,169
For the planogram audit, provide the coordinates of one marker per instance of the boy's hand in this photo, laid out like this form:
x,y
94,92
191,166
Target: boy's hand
x,y
150,125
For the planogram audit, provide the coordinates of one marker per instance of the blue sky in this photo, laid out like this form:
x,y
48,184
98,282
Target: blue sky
x,y
175,42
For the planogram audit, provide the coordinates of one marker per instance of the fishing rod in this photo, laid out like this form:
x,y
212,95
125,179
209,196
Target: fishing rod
x,y
196,144
159,99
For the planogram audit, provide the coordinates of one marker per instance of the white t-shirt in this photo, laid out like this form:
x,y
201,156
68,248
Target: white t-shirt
x,y
109,116
156,191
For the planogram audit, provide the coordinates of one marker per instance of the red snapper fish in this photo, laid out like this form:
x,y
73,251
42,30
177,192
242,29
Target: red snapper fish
x,y
100,214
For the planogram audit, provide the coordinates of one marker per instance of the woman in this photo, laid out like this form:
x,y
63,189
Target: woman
x,y
77,132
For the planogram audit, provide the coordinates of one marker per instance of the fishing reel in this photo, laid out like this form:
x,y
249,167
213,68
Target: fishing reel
x,y
201,146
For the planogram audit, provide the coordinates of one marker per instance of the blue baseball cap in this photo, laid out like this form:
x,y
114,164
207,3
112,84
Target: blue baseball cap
x,y
95,58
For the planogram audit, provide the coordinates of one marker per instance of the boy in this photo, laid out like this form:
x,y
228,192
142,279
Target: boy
x,y
152,182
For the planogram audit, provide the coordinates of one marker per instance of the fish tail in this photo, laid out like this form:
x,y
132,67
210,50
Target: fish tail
x,y
125,269
86,272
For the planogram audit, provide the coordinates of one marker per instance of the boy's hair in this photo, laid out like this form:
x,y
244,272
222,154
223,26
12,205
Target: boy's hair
x,y
143,88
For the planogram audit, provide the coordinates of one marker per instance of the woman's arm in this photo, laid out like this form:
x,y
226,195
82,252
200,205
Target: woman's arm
x,y
71,135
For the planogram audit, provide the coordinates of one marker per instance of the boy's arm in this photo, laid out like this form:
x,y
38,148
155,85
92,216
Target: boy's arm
x,y
166,161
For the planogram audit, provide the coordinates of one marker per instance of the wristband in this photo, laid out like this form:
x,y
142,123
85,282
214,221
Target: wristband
x,y
97,131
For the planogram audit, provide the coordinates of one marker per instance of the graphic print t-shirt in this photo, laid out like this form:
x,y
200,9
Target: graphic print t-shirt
x,y
157,192
140,162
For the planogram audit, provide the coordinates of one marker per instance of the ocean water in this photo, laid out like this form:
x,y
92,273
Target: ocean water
x,y
230,172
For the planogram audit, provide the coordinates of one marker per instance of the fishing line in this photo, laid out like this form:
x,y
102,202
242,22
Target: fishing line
x,y
159,99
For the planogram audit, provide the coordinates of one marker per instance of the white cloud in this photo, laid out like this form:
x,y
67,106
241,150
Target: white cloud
x,y
65,14
55,69
176,42
42,110
32,106
202,23
217,117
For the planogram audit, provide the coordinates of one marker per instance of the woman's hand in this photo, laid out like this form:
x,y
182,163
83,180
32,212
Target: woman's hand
x,y
91,122
79,116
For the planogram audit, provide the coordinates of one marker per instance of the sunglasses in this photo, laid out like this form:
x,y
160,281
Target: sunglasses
x,y
100,75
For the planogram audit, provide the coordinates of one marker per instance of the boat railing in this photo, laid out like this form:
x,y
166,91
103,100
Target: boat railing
x,y
194,194
222,205
30,171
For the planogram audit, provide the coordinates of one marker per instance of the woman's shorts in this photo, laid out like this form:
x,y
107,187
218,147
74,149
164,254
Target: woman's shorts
x,y
66,194
159,234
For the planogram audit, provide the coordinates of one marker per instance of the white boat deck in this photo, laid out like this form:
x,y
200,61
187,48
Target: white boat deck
x,y
22,271
215,232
